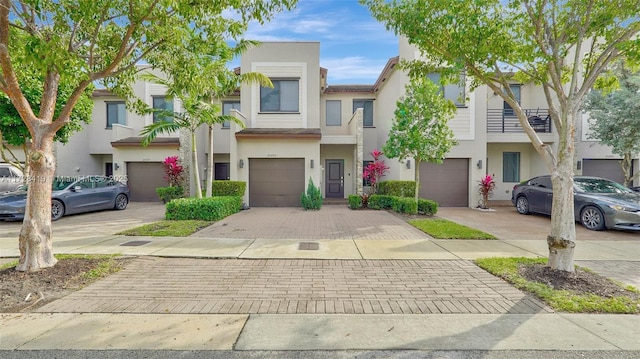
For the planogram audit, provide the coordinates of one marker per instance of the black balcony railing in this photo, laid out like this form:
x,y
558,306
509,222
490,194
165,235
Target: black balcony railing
x,y
506,121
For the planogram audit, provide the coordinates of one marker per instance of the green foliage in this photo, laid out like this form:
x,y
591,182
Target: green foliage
x,y
206,209
379,201
355,201
166,194
229,188
560,300
397,188
445,229
427,207
313,198
404,205
615,118
167,228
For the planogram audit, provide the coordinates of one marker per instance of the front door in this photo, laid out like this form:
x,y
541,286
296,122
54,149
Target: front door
x,y
334,179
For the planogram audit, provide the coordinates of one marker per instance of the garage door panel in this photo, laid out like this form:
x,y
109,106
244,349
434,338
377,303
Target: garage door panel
x,y
447,183
609,169
276,182
143,178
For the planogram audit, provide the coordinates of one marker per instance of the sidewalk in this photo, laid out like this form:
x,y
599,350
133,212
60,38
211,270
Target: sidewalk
x,y
374,283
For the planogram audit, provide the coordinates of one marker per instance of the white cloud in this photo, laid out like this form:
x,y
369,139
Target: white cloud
x,y
352,70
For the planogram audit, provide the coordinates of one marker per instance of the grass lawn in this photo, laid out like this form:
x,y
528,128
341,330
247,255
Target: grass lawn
x,y
579,292
167,228
445,229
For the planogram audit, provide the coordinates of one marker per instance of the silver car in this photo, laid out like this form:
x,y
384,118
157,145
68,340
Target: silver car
x,y
70,195
598,203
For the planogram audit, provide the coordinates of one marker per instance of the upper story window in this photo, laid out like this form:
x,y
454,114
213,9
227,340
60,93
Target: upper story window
x,y
454,92
227,106
334,113
116,113
367,107
162,103
283,97
517,90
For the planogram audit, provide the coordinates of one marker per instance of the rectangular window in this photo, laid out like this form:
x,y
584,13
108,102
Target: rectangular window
x,y
334,111
511,167
162,103
283,97
365,182
367,107
516,89
454,92
227,106
116,113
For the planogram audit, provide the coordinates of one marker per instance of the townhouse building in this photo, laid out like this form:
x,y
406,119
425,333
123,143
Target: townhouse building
x,y
304,128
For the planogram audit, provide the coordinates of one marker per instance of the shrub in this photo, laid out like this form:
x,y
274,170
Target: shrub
x,y
377,201
486,185
427,206
206,209
355,201
374,171
313,198
228,188
405,205
397,188
166,194
173,171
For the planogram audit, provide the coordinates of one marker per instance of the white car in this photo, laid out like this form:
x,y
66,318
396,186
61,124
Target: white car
x,y
10,177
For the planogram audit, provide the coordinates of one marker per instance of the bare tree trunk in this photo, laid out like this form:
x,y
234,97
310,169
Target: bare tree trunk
x,y
417,177
196,171
35,241
562,239
210,164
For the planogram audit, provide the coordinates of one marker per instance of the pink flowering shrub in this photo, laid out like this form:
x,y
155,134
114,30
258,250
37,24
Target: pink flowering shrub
x,y
374,171
486,187
173,171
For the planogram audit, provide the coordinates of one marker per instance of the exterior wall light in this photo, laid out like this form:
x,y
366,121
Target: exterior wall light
x,y
241,163
408,164
479,164
311,163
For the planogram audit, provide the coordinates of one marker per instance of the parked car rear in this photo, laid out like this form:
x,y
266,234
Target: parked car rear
x,y
598,203
10,177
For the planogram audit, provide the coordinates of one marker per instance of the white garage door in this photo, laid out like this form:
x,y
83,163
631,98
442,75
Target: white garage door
x,y
446,183
276,182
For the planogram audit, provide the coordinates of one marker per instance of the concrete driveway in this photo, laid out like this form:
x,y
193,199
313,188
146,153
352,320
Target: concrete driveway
x,y
96,224
504,222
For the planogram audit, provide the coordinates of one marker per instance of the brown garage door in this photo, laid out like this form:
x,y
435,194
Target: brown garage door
x,y
609,169
276,182
143,179
447,183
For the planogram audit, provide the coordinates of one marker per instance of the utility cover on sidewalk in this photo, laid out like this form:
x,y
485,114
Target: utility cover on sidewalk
x,y
309,246
135,243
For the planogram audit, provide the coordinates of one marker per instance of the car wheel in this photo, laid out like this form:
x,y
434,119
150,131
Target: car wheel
x,y
592,218
522,205
121,202
57,210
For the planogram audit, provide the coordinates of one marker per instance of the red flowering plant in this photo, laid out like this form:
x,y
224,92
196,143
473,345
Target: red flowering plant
x,y
374,171
173,171
486,187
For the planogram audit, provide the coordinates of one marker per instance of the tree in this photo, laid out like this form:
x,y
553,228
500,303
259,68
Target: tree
x,y
80,42
615,119
420,129
226,83
560,45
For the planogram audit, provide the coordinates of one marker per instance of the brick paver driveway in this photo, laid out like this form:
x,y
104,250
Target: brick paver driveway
x,y
330,222
181,285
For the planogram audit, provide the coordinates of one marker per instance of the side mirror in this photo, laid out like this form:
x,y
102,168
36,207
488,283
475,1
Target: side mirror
x,y
77,189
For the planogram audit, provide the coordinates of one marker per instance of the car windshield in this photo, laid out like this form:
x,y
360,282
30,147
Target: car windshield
x,y
62,183
595,185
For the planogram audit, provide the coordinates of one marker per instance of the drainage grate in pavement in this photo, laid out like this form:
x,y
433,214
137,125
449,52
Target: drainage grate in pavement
x,y
135,243
309,246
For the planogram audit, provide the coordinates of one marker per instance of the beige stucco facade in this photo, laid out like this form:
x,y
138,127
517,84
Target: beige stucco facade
x,y
483,131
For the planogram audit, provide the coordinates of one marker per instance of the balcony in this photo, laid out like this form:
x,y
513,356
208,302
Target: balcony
x,y
505,121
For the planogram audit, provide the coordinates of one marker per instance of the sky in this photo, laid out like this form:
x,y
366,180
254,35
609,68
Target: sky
x,y
354,47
